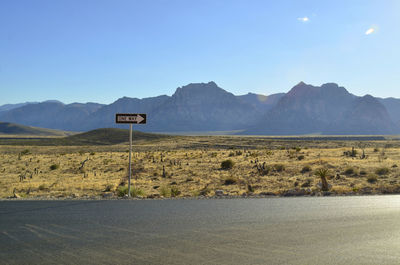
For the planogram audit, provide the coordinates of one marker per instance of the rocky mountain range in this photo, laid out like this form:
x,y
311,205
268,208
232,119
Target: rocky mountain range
x,y
205,107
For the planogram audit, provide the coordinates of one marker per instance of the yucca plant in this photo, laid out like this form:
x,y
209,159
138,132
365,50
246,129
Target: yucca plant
x,y
323,173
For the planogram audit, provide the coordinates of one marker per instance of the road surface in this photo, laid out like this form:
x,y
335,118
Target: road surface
x,y
320,230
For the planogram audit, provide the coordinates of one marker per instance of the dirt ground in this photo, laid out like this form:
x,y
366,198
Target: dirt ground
x,y
193,166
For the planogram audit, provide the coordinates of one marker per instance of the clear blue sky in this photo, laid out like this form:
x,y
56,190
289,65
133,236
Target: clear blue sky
x,y
98,51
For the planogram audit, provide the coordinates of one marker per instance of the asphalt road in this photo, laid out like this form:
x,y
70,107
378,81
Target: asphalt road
x,y
324,230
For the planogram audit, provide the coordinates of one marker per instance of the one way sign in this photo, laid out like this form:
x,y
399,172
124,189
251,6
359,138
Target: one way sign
x,y
130,118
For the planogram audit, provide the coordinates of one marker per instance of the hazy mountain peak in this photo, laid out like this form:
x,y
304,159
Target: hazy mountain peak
x,y
199,89
330,85
301,89
369,97
256,97
53,101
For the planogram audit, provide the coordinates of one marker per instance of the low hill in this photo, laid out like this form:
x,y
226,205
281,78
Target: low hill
x,y
7,128
106,136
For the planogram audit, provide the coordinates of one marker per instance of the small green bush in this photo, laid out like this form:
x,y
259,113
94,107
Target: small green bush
x,y
54,167
227,164
300,157
123,190
136,192
175,191
382,171
165,191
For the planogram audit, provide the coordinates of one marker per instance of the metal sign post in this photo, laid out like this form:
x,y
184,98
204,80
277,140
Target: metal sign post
x,y
130,159
130,118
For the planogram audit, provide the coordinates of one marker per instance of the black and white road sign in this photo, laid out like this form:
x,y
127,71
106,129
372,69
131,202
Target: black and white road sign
x,y
130,118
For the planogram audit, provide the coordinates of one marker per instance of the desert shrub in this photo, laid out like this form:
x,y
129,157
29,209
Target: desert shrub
x,y
43,187
109,187
376,150
54,167
298,149
382,171
350,171
230,180
195,193
227,164
254,154
136,192
263,170
305,169
92,153
123,190
279,167
25,152
239,153
363,172
300,157
372,179
231,154
165,191
175,191
250,188
307,183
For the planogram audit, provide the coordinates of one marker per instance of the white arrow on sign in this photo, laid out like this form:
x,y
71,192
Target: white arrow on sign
x,y
139,119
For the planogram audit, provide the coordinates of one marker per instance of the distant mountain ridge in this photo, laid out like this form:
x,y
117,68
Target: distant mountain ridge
x,y
7,128
305,109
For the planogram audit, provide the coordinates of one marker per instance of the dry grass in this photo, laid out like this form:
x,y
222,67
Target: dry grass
x,y
191,166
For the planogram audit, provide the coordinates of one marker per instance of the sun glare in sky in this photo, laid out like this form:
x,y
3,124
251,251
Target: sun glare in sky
x,y
370,31
304,19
